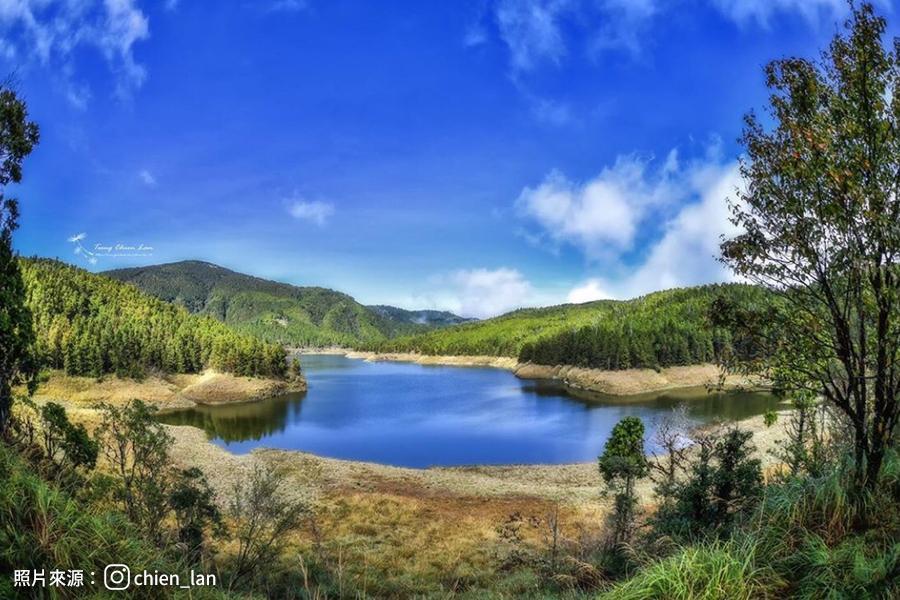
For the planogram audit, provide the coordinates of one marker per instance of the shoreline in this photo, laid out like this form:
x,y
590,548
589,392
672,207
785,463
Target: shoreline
x,y
576,484
164,391
625,382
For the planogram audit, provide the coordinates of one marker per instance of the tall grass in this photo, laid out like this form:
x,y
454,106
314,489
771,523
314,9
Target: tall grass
x,y
41,527
712,571
807,539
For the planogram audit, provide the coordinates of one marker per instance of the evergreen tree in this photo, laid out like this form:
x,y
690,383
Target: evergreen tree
x,y
18,136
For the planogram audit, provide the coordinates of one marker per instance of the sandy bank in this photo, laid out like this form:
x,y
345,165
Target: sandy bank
x,y
163,391
498,362
616,383
628,381
576,484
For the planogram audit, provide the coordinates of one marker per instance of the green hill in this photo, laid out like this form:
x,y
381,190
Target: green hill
x,y
431,318
501,336
661,329
88,324
277,312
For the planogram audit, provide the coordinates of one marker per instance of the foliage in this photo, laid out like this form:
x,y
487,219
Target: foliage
x,y
806,449
273,311
193,502
91,325
717,571
263,517
621,465
658,330
662,329
501,336
18,136
821,221
62,437
137,449
722,482
43,527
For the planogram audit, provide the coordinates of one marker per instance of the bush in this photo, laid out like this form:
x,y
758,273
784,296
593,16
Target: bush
x,y
42,527
723,482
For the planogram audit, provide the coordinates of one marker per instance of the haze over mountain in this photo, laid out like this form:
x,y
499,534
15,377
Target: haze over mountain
x,y
275,311
434,318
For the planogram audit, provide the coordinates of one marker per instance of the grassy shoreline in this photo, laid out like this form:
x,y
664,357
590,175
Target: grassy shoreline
x,y
411,528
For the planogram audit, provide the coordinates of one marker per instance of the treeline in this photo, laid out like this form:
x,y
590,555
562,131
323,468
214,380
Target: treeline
x,y
270,310
90,325
501,336
663,329
668,328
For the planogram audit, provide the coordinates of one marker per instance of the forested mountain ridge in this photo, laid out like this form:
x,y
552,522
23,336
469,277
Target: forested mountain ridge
x,y
667,328
500,336
88,324
433,318
274,311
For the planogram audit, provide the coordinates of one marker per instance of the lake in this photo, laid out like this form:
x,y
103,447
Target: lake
x,y
418,416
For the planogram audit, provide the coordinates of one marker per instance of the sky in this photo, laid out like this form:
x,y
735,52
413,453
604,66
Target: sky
x,y
475,156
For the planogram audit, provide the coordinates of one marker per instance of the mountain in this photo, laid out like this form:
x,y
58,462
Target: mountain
x,y
432,318
274,311
88,324
666,328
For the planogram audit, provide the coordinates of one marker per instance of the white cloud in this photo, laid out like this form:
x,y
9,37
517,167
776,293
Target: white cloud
x,y
531,30
147,178
602,215
622,22
485,293
686,253
588,291
314,211
475,36
551,112
534,31
760,11
48,31
480,293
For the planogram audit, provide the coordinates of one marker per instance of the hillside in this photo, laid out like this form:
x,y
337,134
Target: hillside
x,y
501,336
431,318
667,328
88,324
274,311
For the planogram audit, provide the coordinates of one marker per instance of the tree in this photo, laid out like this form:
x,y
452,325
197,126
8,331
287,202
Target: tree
x,y
18,136
137,448
821,221
621,465
722,481
193,502
62,438
262,515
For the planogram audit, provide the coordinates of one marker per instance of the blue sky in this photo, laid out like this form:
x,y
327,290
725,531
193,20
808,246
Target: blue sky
x,y
474,156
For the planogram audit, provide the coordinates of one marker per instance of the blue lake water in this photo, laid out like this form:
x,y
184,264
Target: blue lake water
x,y
419,416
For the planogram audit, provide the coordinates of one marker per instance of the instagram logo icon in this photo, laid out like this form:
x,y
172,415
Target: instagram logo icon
x,y
116,577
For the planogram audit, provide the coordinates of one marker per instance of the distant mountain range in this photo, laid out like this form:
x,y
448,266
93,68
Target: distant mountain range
x,y
431,318
279,312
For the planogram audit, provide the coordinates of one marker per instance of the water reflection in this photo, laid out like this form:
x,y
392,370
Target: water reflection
x,y
411,415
